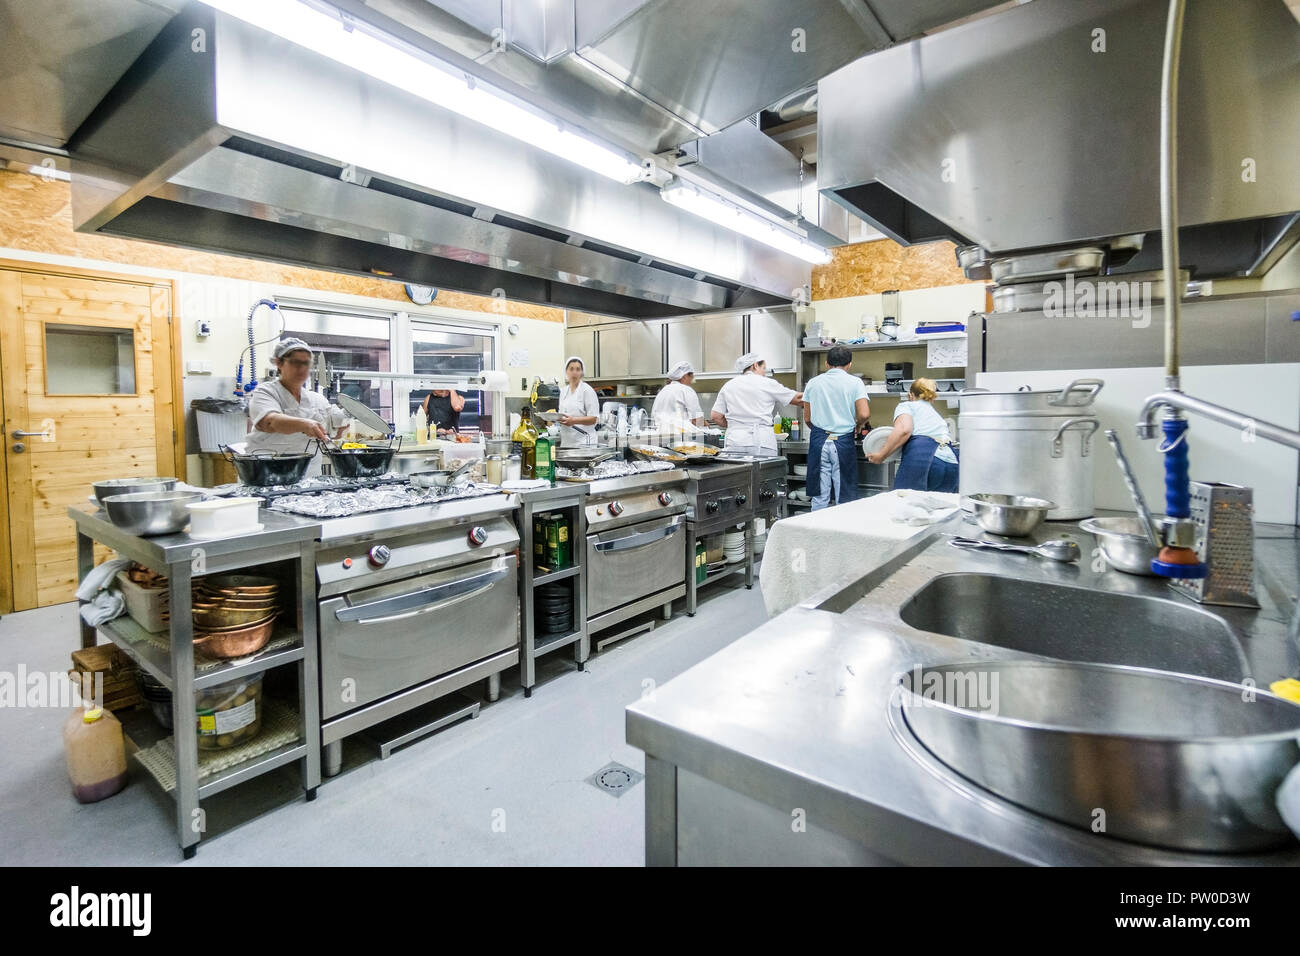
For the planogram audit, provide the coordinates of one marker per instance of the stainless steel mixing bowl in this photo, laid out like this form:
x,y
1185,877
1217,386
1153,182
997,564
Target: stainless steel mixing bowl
x,y
151,512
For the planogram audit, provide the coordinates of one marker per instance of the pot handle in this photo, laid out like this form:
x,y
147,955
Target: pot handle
x,y
1058,440
1091,385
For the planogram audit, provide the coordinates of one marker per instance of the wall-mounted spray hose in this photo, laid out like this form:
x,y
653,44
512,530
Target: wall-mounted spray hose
x,y
1175,559
240,388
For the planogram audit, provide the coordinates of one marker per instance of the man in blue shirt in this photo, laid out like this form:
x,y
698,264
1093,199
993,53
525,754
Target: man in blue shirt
x,y
837,408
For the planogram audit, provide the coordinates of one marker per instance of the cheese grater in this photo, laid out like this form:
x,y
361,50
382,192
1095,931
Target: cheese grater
x,y
1224,518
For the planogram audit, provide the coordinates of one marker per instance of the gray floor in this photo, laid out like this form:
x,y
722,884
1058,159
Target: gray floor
x,y
507,788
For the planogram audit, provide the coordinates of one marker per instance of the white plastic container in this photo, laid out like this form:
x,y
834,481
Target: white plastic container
x,y
222,517
216,430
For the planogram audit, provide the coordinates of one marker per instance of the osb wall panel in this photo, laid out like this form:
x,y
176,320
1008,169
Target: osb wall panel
x,y
867,268
36,216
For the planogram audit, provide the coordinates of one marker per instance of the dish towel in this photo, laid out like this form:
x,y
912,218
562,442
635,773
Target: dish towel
x,y
103,605
812,551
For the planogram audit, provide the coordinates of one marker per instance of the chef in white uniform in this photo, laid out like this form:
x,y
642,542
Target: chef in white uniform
x,y
677,407
284,415
578,407
747,406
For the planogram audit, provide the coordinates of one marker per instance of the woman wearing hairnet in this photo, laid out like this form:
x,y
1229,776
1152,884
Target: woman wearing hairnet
x,y
748,404
578,406
677,406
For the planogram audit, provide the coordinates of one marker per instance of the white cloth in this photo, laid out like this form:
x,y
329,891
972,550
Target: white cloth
x,y
274,397
105,606
811,552
102,605
579,403
676,406
749,403
930,424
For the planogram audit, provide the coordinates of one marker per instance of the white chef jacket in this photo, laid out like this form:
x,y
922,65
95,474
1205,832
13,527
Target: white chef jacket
x,y
749,402
273,397
580,403
676,406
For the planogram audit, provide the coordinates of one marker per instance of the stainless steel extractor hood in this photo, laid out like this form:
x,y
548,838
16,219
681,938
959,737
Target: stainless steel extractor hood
x,y
270,150
1039,128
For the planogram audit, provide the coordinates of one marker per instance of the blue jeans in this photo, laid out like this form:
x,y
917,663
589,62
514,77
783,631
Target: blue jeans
x,y
830,477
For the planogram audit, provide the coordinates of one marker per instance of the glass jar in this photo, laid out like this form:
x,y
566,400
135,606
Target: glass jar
x,y
494,469
513,468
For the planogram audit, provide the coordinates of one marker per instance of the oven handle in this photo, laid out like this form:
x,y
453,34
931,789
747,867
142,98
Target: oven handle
x,y
422,601
637,540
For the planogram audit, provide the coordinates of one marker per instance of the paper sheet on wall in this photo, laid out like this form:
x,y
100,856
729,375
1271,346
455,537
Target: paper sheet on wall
x,y
518,358
946,353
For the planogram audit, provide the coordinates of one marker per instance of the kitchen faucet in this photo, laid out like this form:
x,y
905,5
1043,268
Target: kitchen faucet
x,y
1177,558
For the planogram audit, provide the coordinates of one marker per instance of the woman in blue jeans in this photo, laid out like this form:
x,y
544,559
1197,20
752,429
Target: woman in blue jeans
x,y
929,460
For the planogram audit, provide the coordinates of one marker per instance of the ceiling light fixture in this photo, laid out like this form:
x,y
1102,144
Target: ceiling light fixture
x,y
377,56
718,210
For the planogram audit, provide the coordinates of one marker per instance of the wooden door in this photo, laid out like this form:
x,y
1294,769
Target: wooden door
x,y
87,365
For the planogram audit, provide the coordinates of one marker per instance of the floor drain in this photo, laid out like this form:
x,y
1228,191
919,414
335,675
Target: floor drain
x,y
615,779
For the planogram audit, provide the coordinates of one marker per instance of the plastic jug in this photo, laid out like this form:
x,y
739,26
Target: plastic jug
x,y
92,743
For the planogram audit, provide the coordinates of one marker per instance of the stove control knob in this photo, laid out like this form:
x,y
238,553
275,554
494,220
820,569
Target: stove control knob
x,y
741,499
766,495
711,507
477,535
379,555
347,562
665,498
615,508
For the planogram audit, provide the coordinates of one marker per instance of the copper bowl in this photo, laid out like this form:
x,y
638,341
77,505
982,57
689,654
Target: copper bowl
x,y
236,642
246,583
221,617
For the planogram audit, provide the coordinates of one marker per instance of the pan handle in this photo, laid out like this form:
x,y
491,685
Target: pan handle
x,y
1089,385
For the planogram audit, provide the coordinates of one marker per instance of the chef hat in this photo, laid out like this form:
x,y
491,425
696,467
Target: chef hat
x,y
747,360
284,346
578,359
680,371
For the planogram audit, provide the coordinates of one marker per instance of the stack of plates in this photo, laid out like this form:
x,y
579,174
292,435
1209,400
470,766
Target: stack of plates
x,y
799,471
553,609
733,546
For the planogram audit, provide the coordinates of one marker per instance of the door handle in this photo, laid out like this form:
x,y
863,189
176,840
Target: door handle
x,y
637,540
421,601
22,434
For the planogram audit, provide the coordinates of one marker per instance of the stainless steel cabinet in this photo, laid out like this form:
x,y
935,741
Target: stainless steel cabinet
x,y
611,352
645,349
686,343
772,335
582,343
724,341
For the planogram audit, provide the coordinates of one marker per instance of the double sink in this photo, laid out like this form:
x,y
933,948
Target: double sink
x,y
1088,697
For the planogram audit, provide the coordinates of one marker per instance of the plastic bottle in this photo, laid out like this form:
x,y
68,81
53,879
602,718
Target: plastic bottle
x,y
542,467
96,755
420,424
525,436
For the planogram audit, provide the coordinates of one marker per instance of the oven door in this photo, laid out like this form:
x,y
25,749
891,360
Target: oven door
x,y
377,641
629,563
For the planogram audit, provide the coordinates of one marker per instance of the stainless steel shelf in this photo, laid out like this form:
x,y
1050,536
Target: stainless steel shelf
x,y
551,643
134,642
552,576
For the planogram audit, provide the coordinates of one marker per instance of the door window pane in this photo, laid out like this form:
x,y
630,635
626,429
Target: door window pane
x,y
89,360
454,353
338,348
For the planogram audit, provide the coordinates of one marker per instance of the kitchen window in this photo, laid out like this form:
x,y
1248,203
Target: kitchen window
x,y
347,340
456,351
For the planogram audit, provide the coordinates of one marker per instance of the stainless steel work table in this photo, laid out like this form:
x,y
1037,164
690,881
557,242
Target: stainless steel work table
x,y
567,497
181,558
786,746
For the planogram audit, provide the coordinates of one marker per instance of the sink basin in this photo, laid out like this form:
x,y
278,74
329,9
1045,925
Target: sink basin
x,y
1077,624
1158,758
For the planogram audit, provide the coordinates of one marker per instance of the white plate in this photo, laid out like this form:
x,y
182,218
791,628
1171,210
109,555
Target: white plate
x,y
227,532
525,484
876,439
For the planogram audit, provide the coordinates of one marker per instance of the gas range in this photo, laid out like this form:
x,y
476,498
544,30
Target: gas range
x,y
720,492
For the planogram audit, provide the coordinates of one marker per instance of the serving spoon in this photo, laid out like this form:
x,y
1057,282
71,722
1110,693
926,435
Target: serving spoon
x,y
1057,549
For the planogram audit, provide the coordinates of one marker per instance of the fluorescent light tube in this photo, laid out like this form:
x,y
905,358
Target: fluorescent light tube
x,y
369,54
727,214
